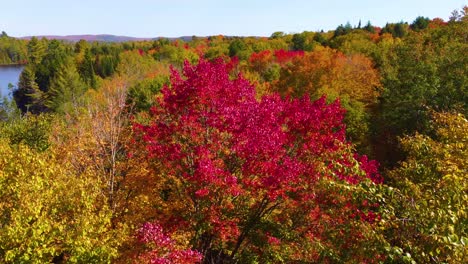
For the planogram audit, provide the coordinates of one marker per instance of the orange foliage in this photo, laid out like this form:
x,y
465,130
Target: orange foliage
x,y
201,49
259,61
330,72
158,70
437,22
375,37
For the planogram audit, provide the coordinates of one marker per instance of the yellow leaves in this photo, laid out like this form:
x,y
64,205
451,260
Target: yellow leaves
x,y
330,72
45,208
135,66
434,182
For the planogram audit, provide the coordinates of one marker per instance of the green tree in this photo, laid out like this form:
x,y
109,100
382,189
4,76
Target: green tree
x,y
356,42
28,96
176,55
319,38
105,65
239,48
12,50
277,34
36,50
86,69
398,30
342,30
369,27
431,200
422,72
303,41
8,110
66,89
30,130
143,94
57,53
420,23
81,46
298,42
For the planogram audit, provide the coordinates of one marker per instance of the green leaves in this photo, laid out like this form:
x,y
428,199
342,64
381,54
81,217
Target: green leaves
x,y
30,130
433,184
66,89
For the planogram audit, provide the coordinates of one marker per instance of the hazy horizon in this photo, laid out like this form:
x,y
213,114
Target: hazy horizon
x,y
164,18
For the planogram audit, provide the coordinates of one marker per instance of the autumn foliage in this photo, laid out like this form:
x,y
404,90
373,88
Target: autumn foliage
x,y
245,150
243,176
328,71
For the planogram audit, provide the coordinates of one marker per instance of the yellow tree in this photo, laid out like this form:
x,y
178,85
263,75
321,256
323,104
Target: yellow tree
x,y
431,205
49,212
93,136
330,72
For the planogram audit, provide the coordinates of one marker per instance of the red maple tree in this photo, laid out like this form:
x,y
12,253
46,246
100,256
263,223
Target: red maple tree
x,y
246,178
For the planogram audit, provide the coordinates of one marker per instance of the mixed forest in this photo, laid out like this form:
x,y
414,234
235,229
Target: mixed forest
x,y
346,146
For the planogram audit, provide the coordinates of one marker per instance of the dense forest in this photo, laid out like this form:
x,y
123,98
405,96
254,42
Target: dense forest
x,y
346,146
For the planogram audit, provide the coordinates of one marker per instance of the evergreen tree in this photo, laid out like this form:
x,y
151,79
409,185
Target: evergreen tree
x,y
28,96
343,30
277,34
81,46
36,50
319,38
238,48
298,42
57,54
398,30
368,27
86,69
66,88
420,23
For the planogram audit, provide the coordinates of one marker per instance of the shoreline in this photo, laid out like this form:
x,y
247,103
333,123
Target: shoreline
x,y
13,64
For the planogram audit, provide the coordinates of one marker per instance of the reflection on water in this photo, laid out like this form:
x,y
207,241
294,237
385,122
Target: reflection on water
x,y
9,74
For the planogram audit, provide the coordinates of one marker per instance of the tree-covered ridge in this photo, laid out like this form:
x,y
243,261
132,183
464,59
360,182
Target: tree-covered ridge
x,y
12,50
239,149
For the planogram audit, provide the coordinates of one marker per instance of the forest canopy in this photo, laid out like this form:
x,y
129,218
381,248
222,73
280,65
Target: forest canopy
x,y
346,146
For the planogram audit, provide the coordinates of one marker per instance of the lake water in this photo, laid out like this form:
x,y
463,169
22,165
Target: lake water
x,y
9,74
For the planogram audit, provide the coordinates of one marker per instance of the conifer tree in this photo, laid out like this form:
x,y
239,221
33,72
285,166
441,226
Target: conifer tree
x,y
65,89
28,96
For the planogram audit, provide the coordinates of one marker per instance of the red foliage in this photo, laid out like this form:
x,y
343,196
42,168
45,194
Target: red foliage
x,y
437,22
371,167
261,59
164,250
283,56
261,56
239,158
232,63
201,48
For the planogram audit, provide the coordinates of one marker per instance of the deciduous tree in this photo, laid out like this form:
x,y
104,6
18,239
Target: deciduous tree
x,y
325,71
233,176
431,202
50,213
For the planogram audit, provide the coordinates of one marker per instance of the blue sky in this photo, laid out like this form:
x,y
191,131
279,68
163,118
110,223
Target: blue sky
x,y
173,18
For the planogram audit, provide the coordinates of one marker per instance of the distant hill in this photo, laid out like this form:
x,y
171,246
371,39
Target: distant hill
x,y
101,37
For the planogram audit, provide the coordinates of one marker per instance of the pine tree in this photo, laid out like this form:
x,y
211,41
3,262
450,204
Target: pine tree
x,y
65,89
86,69
36,50
28,96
